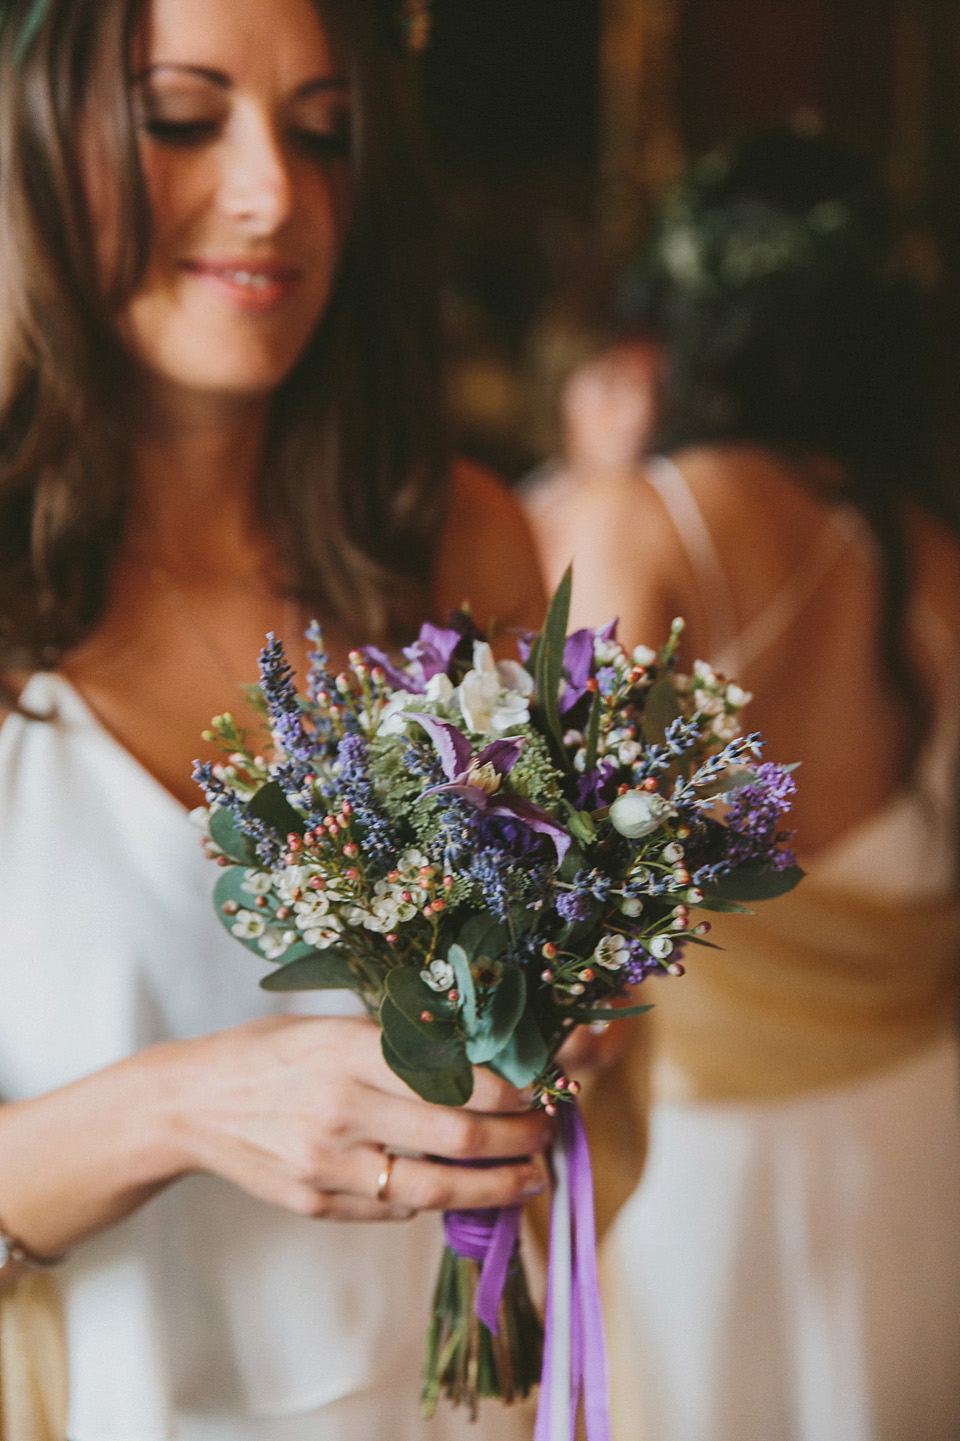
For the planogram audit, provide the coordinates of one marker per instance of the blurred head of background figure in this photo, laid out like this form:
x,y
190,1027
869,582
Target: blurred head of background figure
x,y
771,278
608,408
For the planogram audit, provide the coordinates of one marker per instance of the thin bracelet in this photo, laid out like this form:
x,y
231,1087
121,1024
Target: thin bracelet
x,y
17,1251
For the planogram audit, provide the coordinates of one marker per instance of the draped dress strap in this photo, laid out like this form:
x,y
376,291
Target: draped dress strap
x,y
731,647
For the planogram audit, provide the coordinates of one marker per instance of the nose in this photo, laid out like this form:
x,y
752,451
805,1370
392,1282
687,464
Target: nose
x,y
255,184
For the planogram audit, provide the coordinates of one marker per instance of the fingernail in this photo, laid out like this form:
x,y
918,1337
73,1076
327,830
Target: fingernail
x,y
534,1187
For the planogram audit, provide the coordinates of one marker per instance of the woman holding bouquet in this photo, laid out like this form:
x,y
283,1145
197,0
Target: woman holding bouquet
x,y
218,415
789,1267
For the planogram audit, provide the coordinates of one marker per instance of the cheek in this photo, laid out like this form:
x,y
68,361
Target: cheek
x,y
175,186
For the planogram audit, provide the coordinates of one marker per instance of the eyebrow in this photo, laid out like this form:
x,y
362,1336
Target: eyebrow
x,y
223,82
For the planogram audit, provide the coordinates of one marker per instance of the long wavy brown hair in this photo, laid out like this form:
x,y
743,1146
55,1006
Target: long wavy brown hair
x,y
353,481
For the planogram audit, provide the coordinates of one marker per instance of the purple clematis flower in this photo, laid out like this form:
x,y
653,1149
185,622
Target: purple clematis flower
x,y
476,779
429,655
578,662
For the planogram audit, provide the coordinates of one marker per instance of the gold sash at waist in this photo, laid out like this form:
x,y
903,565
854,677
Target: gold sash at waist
x,y
33,1371
816,988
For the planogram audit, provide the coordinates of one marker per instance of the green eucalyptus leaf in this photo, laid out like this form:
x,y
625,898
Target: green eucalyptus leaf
x,y
457,957
312,970
451,1087
433,1047
754,883
483,933
585,1014
699,941
229,892
660,708
498,1016
271,806
225,833
524,1056
715,903
412,996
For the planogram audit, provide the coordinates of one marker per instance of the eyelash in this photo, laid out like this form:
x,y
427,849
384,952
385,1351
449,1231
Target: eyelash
x,y
187,134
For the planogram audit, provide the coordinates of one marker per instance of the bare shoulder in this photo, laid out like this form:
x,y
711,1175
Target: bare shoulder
x,y
935,553
486,554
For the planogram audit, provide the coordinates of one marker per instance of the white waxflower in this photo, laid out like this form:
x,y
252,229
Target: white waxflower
x,y
638,813
495,695
382,917
708,702
324,935
439,975
631,905
737,696
199,818
643,655
612,952
727,727
659,946
704,672
673,853
256,883
248,925
606,652
274,943
292,879
311,906
627,752
411,862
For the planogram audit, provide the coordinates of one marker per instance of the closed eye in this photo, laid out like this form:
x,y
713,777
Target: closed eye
x,y
182,133
321,144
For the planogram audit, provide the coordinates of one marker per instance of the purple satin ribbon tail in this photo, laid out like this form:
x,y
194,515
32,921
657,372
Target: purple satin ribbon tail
x,y
489,1237
577,1252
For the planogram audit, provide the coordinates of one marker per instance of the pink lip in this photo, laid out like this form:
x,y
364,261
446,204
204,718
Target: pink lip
x,y
244,282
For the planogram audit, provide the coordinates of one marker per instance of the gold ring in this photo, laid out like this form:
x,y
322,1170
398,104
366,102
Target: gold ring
x,y
383,1180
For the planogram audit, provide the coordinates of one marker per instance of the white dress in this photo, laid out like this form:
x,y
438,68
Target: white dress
x,y
207,1315
789,1267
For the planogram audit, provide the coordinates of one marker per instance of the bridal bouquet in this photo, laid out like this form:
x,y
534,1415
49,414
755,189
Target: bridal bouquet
x,y
490,853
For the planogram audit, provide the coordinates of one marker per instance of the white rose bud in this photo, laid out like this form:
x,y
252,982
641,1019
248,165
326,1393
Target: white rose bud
x,y
638,813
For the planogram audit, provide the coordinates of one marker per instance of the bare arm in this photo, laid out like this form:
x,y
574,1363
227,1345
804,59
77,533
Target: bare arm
x,y
297,1111
487,557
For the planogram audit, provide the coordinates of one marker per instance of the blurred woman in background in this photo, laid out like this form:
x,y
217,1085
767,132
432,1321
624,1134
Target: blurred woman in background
x,y
789,1267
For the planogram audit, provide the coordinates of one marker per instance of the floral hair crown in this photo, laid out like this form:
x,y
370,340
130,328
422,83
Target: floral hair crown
x,y
702,246
410,20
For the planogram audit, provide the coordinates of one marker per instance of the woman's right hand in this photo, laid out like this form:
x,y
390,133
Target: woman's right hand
x,y
299,1111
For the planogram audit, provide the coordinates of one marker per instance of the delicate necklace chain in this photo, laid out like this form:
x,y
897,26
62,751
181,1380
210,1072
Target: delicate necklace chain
x,y
162,577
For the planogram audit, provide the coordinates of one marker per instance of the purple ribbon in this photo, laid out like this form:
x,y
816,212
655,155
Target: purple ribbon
x,y
577,1252
490,1238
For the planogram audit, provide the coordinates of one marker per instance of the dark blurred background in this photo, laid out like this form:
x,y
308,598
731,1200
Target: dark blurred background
x,y
557,123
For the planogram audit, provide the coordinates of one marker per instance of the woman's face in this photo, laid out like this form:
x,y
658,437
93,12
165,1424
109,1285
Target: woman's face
x,y
243,124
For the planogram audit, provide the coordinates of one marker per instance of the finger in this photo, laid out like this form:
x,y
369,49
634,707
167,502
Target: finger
x,y
405,1123
428,1185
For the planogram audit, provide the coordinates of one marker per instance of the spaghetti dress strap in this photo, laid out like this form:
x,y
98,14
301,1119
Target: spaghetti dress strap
x,y
733,648
681,506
